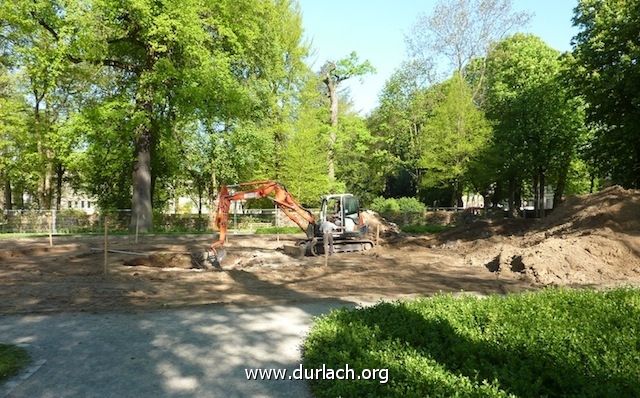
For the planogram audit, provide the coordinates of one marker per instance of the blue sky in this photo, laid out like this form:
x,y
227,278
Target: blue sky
x,y
375,29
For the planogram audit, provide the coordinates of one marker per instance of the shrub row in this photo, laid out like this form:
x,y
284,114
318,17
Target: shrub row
x,y
550,343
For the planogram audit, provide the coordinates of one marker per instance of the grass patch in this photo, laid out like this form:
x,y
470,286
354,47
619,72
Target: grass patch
x,y
556,342
424,229
277,230
12,359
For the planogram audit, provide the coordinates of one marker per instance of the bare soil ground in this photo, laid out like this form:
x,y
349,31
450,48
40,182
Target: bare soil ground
x,y
592,240
588,240
69,276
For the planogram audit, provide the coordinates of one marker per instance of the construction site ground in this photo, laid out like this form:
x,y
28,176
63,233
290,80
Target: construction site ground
x,y
592,240
70,276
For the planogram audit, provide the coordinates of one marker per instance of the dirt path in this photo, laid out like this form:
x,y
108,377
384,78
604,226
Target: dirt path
x,y
69,276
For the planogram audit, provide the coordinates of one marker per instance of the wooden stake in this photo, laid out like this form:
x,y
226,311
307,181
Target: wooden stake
x,y
106,250
137,226
277,231
325,244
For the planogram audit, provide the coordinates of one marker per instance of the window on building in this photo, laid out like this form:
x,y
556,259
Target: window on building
x,y
69,204
82,204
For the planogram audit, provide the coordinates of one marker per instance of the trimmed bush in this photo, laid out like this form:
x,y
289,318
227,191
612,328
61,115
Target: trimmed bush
x,y
549,343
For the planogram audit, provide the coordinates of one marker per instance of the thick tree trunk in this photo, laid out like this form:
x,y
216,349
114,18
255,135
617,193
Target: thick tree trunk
x,y
497,195
517,196
541,182
558,193
141,207
59,175
8,200
18,195
512,197
536,193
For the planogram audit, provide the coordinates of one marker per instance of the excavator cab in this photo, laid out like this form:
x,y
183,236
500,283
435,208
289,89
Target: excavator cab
x,y
344,211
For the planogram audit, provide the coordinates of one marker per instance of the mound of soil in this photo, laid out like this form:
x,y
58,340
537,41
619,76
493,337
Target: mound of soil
x,y
590,239
375,221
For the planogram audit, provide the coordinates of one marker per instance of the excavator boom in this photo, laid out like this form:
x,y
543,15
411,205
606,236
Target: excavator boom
x,y
256,190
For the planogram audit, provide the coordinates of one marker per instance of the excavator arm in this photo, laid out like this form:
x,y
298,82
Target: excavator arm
x,y
255,190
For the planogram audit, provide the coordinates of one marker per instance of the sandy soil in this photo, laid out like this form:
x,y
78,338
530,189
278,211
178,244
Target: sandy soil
x,y
70,277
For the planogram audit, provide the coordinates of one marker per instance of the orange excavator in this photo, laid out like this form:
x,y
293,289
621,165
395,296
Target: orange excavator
x,y
342,209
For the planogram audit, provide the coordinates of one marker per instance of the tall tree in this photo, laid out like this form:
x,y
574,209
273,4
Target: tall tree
x,y
406,102
538,124
171,60
13,137
453,138
458,31
333,73
607,73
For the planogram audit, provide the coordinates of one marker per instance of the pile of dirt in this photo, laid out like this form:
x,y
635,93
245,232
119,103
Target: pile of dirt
x,y
590,239
375,222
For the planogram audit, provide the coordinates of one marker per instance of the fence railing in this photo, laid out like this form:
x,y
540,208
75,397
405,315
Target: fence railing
x,y
71,221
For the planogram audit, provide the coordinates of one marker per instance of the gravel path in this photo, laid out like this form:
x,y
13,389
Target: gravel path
x,y
196,352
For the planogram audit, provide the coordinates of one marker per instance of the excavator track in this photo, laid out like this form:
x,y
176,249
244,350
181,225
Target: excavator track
x,y
315,247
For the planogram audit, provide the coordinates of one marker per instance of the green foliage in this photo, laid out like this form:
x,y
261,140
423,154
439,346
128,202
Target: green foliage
x,y
549,343
453,137
360,162
12,359
277,230
538,124
424,229
304,154
400,205
606,72
351,66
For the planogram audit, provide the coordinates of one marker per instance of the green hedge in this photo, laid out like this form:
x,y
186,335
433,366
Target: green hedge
x,y
550,343
400,205
277,230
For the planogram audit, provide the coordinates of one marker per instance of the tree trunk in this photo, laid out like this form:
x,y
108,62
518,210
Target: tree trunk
x,y
497,195
8,202
536,192
18,195
333,131
517,196
141,207
558,193
512,196
541,182
59,175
